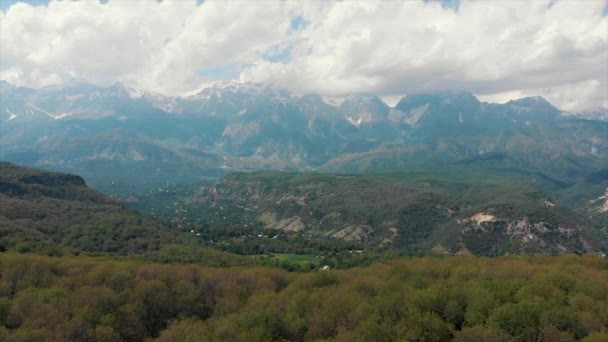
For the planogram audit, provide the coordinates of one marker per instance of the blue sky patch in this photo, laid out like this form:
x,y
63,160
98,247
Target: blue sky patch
x,y
448,4
223,72
278,54
5,4
298,23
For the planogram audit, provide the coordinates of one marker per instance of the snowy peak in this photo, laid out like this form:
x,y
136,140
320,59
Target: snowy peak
x,y
364,108
453,97
219,90
533,104
74,99
442,99
227,99
364,100
530,101
593,114
449,109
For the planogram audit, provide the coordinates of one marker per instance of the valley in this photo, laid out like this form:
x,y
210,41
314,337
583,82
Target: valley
x,y
252,169
461,211
307,171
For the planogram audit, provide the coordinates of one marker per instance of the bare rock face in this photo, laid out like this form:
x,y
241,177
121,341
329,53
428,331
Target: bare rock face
x,y
293,224
354,233
521,226
600,204
480,218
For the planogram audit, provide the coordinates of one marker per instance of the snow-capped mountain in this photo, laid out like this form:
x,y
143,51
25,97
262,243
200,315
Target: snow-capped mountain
x,y
364,109
595,114
74,100
244,126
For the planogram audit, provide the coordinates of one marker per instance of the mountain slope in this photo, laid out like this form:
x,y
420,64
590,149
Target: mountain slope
x,y
566,150
451,211
42,209
103,133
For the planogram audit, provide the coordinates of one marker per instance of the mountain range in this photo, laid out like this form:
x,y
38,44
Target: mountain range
x,y
113,134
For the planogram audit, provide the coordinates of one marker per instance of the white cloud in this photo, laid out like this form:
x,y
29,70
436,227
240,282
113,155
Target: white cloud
x,y
156,45
494,49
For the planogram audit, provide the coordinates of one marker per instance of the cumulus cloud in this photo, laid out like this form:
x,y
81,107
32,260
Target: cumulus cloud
x,y
497,50
486,47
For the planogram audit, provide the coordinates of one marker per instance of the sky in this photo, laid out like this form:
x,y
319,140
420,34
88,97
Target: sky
x,y
498,50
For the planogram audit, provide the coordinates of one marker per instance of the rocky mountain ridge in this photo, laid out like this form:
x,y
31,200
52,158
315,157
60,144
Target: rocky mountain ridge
x,y
104,133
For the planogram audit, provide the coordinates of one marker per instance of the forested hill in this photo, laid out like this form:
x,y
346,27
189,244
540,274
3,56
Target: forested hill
x,y
41,209
278,212
537,298
453,211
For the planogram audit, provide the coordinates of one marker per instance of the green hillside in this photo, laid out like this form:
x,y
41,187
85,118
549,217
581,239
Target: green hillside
x,y
536,298
41,210
460,210
55,213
